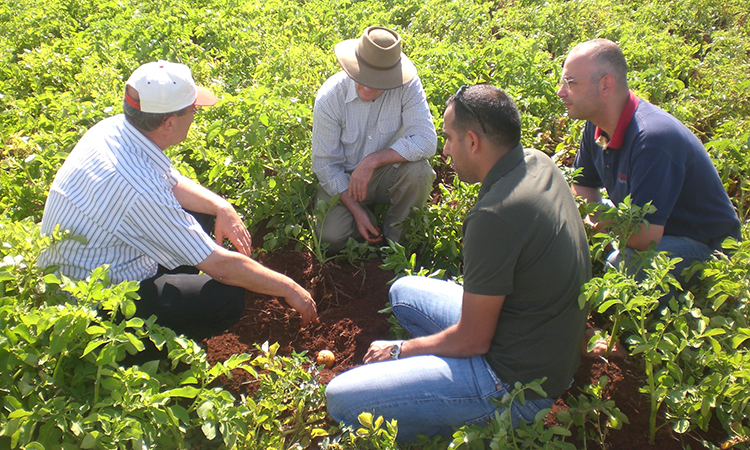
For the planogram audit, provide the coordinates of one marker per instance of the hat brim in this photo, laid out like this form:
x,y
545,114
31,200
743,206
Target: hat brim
x,y
205,97
371,77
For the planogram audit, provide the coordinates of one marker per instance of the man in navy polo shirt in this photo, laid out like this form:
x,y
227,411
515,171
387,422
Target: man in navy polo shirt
x,y
631,147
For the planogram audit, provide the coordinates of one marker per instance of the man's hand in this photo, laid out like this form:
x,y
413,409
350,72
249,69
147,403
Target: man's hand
x,y
229,225
194,197
379,351
360,179
304,304
362,174
370,232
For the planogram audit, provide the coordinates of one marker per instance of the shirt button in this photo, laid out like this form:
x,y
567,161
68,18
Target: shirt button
x,y
369,136
607,166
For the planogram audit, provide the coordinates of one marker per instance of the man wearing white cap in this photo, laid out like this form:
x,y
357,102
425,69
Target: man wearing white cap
x,y
372,137
119,190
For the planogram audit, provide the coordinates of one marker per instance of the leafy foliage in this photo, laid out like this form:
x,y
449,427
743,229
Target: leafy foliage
x,y
64,386
62,69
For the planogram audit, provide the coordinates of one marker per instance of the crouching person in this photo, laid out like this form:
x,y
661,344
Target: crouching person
x,y
120,191
515,319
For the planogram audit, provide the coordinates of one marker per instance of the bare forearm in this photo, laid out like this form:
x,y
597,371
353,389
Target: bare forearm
x,y
383,157
367,229
352,205
591,195
194,197
238,270
645,236
471,336
447,343
362,174
229,225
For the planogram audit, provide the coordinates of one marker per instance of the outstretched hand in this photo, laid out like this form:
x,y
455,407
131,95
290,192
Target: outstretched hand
x,y
379,351
303,303
370,232
229,225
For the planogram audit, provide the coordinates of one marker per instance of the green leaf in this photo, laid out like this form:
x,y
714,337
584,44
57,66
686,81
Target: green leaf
x,y
204,409
681,426
95,330
135,342
19,413
111,384
91,346
209,430
213,130
190,392
180,413
89,441
739,339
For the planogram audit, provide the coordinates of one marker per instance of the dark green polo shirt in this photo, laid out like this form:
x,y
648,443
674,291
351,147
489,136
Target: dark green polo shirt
x,y
524,239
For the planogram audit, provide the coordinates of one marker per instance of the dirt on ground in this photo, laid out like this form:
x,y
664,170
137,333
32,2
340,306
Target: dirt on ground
x,y
349,298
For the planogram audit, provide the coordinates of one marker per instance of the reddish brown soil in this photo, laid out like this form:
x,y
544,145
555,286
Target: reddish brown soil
x,y
348,300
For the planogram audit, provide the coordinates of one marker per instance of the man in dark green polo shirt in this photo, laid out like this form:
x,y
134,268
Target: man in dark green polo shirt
x,y
515,319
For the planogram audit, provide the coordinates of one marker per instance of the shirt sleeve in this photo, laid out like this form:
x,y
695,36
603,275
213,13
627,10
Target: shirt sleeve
x,y
588,177
328,157
159,227
420,139
172,177
491,250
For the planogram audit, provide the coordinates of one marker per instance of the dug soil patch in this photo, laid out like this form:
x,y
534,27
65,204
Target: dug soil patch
x,y
349,298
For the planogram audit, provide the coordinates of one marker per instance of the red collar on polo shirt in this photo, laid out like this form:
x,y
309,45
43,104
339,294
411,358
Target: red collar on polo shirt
x,y
622,125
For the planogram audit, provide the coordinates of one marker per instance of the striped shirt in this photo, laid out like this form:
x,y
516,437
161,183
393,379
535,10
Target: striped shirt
x,y
115,189
346,129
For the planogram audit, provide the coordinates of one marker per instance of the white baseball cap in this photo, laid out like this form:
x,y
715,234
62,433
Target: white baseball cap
x,y
165,87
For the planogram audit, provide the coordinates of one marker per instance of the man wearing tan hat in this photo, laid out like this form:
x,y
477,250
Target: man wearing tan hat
x,y
372,137
119,190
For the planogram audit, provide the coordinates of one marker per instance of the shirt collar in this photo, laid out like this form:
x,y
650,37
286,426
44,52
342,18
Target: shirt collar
x,y
601,137
508,162
351,90
149,149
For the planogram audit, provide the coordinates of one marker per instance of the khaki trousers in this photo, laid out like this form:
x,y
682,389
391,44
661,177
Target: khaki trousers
x,y
401,187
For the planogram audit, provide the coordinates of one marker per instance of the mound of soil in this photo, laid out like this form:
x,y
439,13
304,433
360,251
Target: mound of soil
x,y
349,298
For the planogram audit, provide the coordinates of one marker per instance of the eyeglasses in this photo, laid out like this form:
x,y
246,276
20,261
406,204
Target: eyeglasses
x,y
467,107
192,110
567,80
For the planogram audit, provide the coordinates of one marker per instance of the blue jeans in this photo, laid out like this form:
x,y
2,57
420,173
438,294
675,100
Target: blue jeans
x,y
678,246
426,394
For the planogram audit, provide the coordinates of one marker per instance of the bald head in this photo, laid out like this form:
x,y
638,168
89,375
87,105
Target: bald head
x,y
606,57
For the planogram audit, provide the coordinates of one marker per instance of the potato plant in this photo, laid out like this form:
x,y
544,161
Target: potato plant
x,y
62,69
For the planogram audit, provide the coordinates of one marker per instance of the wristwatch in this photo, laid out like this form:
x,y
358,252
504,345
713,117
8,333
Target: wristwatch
x,y
396,350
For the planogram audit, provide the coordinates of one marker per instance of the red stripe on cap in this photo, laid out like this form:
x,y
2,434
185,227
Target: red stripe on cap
x,y
132,102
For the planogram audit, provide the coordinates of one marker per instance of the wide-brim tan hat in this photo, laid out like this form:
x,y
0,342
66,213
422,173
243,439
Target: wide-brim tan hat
x,y
375,59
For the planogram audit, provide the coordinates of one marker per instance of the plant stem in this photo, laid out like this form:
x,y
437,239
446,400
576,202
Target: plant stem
x,y
614,336
96,386
652,417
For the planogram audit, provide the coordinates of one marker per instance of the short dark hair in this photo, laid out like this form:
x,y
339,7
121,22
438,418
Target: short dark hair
x,y
497,111
148,121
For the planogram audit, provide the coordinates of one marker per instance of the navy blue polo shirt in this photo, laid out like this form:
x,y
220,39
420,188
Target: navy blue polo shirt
x,y
654,157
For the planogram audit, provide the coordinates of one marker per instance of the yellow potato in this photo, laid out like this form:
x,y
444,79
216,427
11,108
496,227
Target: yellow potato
x,y
325,358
